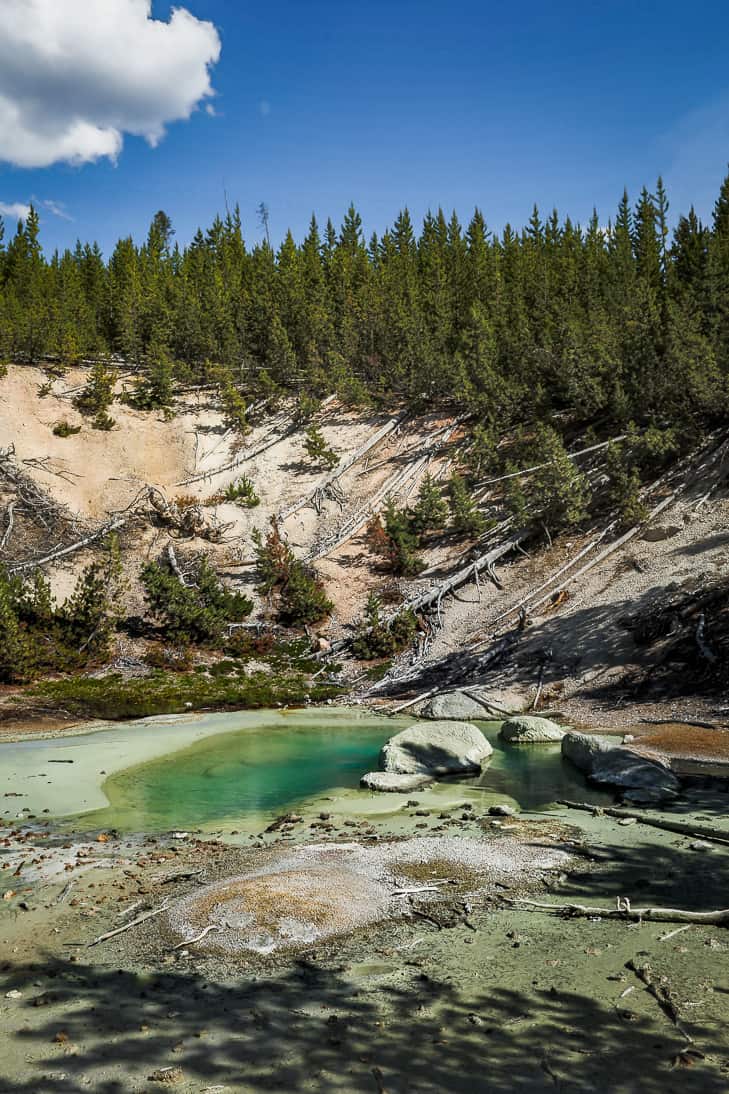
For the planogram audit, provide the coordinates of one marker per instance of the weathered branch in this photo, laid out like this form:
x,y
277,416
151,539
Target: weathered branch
x,y
540,466
62,552
696,831
358,519
128,926
625,911
9,528
325,484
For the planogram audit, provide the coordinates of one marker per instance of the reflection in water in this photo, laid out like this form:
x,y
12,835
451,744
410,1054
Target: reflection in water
x,y
263,770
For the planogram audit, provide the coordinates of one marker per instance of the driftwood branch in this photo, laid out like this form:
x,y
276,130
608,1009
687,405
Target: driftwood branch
x,y
198,937
61,552
693,830
128,926
9,527
359,519
327,482
626,911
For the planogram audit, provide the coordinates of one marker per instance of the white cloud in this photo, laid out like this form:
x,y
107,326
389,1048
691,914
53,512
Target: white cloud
x,y
57,208
76,75
14,209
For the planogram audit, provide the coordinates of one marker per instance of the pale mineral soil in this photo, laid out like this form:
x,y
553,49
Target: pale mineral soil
x,y
479,999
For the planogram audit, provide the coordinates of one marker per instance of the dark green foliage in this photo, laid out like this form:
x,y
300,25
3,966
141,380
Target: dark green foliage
x,y
465,517
63,429
430,513
155,388
624,485
481,454
297,592
402,541
561,492
302,598
317,449
235,408
242,492
376,638
559,322
37,635
104,422
97,395
306,407
192,613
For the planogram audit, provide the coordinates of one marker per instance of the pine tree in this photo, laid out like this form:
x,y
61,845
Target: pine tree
x,y
466,520
431,510
318,450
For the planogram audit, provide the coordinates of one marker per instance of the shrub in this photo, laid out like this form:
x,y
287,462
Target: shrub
x,y
465,517
560,489
196,613
104,422
37,635
169,658
318,450
242,492
306,407
379,639
431,511
396,540
154,390
624,488
300,594
63,429
97,395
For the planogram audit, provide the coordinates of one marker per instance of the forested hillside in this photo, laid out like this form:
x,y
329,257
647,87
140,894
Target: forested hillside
x,y
617,320
204,448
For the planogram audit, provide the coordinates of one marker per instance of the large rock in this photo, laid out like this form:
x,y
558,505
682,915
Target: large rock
x,y
528,729
585,750
436,748
454,705
622,768
395,784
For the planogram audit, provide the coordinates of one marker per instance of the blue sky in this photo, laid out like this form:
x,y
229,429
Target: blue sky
x,y
419,103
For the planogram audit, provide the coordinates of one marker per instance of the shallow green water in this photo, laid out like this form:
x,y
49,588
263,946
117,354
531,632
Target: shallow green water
x,y
259,771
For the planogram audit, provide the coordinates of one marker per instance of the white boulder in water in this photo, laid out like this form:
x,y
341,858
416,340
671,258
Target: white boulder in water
x,y
528,729
586,750
436,748
454,705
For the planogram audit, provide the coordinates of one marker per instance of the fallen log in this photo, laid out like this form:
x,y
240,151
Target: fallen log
x,y
693,830
625,911
466,573
9,527
540,466
128,926
339,470
33,563
360,518
271,439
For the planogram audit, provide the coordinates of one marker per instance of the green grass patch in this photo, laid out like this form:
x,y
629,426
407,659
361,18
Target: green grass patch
x,y
113,697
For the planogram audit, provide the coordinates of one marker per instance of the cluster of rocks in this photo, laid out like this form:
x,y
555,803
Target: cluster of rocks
x,y
432,749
